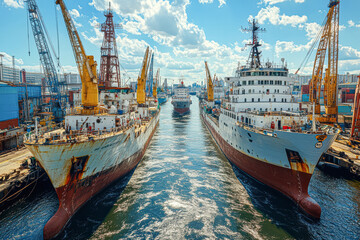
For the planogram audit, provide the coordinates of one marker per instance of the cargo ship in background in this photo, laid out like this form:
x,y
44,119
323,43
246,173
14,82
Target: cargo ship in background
x,y
162,97
99,143
261,130
181,99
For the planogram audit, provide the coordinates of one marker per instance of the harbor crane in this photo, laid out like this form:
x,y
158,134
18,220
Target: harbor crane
x,y
210,86
86,67
329,43
355,126
38,28
156,81
141,82
150,77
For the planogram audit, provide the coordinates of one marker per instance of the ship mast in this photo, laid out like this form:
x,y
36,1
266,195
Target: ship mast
x,y
254,58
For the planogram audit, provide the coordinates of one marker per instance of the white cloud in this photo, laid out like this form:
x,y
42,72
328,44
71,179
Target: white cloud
x,y
14,3
273,15
74,13
7,59
351,23
272,2
206,1
221,2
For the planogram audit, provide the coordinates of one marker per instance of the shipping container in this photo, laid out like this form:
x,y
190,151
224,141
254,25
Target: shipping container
x,y
34,91
9,108
305,89
344,109
305,98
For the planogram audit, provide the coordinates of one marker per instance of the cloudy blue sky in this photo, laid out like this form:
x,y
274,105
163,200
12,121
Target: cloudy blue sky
x,y
184,33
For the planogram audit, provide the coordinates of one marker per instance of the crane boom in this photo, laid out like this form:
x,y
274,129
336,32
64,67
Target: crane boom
x,y
47,63
141,82
210,87
85,64
150,78
157,77
355,126
329,43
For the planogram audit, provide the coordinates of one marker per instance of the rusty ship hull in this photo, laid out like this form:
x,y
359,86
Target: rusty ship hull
x,y
80,170
266,158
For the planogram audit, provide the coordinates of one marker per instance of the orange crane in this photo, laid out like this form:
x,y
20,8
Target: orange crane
x,y
210,87
141,82
85,64
355,126
329,43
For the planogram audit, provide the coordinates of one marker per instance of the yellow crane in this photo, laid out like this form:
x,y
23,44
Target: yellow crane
x,y
141,82
155,85
85,64
329,43
210,87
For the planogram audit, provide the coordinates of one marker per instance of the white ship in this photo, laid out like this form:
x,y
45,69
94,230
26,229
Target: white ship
x,y
261,130
181,99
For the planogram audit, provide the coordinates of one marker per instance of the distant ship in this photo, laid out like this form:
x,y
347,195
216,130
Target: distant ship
x,y
181,99
261,130
162,97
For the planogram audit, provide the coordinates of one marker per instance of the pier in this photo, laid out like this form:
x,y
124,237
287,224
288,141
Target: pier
x,y
341,159
19,171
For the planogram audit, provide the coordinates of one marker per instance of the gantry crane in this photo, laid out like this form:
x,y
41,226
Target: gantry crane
x,y
85,64
329,42
156,81
210,86
38,28
141,82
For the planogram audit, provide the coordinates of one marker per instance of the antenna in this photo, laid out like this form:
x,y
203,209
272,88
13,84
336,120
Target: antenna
x,y
254,58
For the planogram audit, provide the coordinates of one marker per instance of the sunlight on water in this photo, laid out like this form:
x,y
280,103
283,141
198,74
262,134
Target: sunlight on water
x,y
184,188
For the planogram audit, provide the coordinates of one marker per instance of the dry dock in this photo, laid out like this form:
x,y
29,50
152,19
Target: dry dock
x,y
18,172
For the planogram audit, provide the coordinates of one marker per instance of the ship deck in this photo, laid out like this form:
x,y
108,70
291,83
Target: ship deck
x,y
60,136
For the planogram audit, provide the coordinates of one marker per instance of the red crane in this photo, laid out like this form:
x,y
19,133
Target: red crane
x,y
355,126
109,64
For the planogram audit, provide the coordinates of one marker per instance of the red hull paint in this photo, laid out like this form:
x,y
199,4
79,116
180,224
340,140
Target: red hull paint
x,y
9,123
293,184
73,195
182,110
